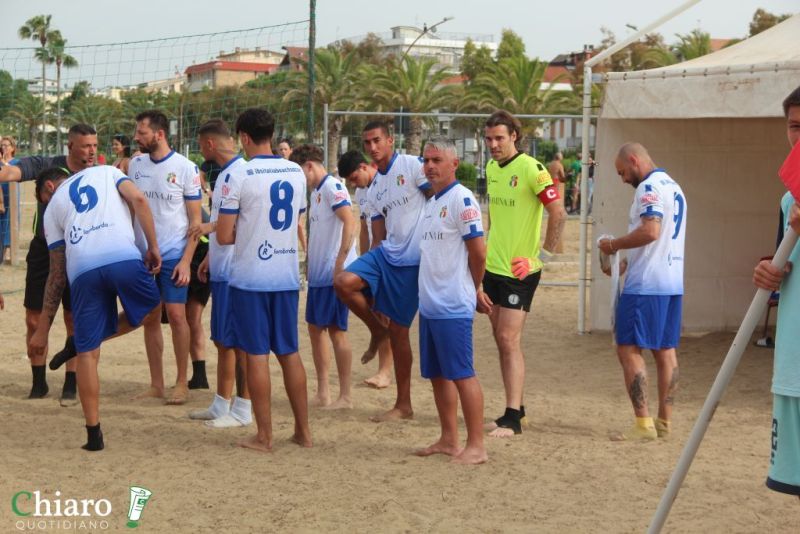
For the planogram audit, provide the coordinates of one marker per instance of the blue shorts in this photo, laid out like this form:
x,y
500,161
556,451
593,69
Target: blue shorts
x,y
395,289
323,308
94,300
220,314
166,285
649,321
445,348
264,321
784,468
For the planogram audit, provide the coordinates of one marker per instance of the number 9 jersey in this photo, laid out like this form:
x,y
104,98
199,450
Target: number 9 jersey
x,y
657,268
268,194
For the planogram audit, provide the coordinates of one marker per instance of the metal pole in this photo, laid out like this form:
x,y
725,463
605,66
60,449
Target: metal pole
x,y
312,36
751,318
444,114
584,228
325,147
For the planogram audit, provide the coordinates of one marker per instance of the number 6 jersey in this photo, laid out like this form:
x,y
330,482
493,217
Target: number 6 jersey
x,y
88,216
268,193
657,268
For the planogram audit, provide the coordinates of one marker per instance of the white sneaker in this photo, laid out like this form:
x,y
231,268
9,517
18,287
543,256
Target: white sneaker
x,y
226,421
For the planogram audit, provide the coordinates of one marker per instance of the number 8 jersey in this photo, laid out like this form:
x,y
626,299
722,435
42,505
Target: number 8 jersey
x,y
657,268
268,193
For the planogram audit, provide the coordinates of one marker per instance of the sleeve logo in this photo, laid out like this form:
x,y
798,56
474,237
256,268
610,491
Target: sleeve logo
x,y
470,214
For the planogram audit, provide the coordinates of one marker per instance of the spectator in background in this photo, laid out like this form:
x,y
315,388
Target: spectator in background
x,y
8,149
285,148
121,147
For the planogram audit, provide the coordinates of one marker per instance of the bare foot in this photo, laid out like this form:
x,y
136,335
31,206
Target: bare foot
x,y
342,403
471,456
379,381
439,448
304,440
374,342
320,401
500,432
395,414
150,393
255,443
179,395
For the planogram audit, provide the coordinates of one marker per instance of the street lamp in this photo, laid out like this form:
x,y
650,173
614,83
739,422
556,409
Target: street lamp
x,y
425,29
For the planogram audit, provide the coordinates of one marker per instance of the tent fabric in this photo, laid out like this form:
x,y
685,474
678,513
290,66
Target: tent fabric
x,y
716,124
748,79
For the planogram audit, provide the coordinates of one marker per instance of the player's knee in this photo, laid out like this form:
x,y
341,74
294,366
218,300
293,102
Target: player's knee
x,y
31,320
345,282
176,314
507,340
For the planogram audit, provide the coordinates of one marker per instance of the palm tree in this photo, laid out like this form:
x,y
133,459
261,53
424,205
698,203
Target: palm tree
x,y
336,76
29,111
692,45
517,85
104,114
414,85
55,53
38,29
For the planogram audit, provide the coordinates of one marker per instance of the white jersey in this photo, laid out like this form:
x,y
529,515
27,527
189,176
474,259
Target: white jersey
x,y
363,210
325,231
220,256
446,289
657,268
167,183
268,193
397,197
88,216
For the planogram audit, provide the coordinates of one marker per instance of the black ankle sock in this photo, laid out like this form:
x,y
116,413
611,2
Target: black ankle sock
x,y
39,388
199,379
94,440
64,355
70,382
510,419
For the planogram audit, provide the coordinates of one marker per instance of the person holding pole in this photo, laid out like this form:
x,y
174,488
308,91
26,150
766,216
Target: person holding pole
x,y
648,314
784,470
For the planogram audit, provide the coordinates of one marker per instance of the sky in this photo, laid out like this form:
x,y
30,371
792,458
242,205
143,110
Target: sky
x,y
547,28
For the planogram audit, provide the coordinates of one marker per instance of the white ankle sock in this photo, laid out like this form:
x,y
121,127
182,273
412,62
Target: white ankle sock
x,y
241,409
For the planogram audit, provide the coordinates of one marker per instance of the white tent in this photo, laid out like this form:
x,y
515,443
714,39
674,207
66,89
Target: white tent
x,y
716,125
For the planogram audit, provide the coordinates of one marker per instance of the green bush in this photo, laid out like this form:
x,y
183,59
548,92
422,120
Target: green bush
x,y
467,174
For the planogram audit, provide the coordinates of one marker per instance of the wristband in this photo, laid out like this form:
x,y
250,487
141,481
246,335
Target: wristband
x,y
544,255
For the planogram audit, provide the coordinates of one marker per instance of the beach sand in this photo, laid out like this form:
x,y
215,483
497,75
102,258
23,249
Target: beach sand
x,y
561,475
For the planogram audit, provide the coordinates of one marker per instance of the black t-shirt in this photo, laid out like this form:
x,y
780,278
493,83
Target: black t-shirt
x,y
30,167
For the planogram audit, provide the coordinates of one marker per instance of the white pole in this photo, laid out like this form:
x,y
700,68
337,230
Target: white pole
x,y
584,229
751,318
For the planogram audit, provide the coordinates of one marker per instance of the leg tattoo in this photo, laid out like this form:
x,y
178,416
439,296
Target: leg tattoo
x,y
638,391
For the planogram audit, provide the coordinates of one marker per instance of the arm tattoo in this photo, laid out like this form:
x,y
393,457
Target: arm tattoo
x,y
638,391
56,281
673,387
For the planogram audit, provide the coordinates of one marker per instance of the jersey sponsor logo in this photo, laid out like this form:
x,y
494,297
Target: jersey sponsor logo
x,y
649,198
443,212
75,235
226,190
400,179
435,236
380,194
267,251
500,201
139,174
340,196
514,180
172,178
513,299
470,214
196,180
543,178
158,195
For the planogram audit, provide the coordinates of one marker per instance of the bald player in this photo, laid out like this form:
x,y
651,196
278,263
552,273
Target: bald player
x,y
648,313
